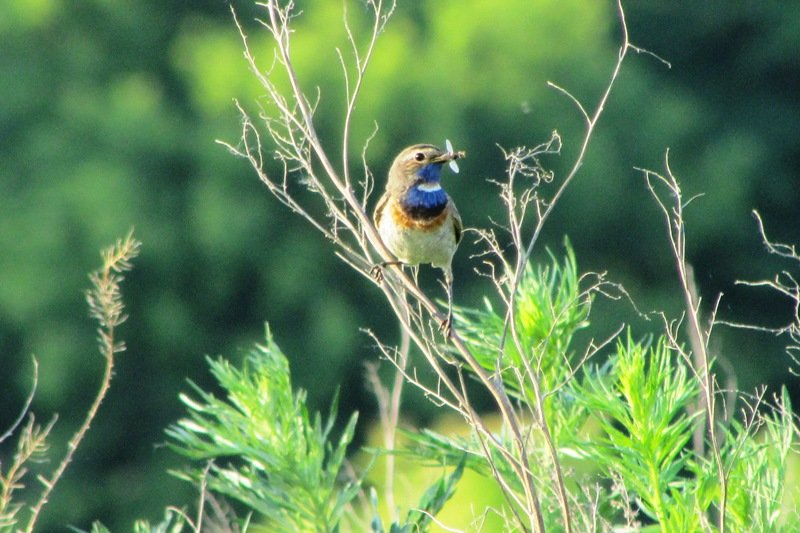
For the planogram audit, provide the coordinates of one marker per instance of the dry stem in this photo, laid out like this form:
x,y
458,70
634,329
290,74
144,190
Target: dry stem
x,y
700,361
105,305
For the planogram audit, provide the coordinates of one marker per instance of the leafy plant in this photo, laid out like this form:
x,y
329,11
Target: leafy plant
x,y
266,451
641,405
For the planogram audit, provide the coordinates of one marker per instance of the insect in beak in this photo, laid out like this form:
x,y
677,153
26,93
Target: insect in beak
x,y
452,156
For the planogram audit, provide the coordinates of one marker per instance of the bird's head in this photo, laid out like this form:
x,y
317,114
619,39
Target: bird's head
x,y
419,164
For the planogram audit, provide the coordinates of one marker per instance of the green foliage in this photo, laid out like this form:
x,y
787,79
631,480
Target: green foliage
x,y
430,503
758,470
266,451
641,403
551,309
627,431
625,426
173,522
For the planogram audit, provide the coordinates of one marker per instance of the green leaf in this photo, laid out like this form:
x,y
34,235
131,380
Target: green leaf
x,y
265,449
434,499
640,405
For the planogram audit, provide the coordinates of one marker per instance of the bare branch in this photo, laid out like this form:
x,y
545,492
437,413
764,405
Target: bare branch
x,y
700,360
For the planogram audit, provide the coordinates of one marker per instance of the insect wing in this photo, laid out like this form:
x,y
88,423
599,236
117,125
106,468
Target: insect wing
x,y
449,147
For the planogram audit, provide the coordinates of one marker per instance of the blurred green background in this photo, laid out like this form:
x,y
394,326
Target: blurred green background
x,y
108,116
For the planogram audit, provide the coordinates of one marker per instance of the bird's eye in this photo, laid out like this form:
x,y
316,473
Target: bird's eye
x,y
419,156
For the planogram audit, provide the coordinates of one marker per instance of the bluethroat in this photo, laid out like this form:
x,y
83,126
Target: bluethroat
x,y
416,219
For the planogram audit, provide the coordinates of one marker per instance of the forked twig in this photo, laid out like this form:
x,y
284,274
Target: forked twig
x,y
785,284
700,363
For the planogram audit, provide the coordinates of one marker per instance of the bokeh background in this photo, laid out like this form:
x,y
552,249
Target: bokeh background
x,y
109,113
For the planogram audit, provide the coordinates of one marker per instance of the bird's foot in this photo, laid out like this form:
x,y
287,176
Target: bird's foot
x,y
446,326
377,272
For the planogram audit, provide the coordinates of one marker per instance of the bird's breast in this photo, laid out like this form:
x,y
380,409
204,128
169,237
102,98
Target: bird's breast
x,y
422,235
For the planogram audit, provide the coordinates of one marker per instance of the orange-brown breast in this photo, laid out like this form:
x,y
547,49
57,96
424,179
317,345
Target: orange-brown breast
x,y
402,219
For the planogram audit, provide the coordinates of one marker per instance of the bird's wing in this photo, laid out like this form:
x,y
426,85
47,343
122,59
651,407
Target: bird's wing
x,y
376,216
457,225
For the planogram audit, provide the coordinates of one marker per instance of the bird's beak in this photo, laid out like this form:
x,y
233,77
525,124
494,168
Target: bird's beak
x,y
449,156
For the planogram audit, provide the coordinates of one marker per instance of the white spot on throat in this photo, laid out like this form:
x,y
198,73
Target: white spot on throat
x,y
429,187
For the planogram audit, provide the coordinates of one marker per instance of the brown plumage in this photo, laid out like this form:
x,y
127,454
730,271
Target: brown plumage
x,y
417,220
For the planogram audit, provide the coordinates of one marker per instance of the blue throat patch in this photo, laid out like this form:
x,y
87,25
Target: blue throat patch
x,y
430,173
416,198
419,203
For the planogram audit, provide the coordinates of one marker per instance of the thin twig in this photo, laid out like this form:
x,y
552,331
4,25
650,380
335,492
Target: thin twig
x,y
28,401
701,364
105,305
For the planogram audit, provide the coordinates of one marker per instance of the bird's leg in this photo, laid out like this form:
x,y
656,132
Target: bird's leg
x,y
446,327
377,270
415,273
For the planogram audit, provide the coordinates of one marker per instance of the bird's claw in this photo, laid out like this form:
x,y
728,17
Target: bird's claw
x,y
377,273
446,326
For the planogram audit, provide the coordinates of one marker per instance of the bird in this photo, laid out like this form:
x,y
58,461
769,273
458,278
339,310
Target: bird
x,y
416,219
